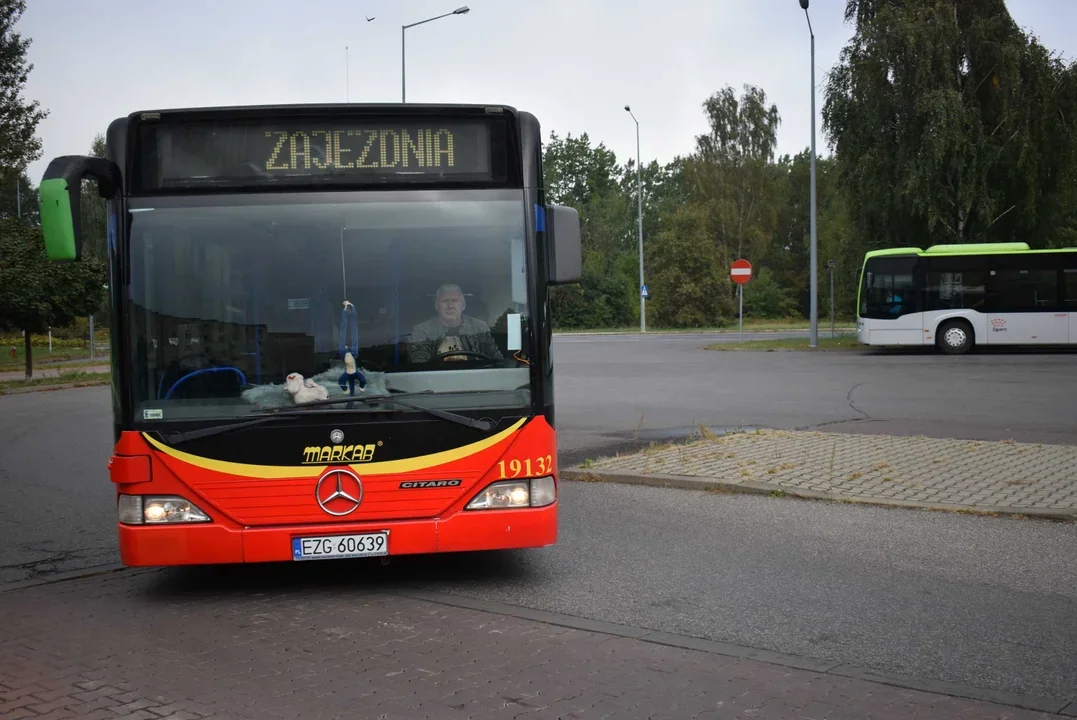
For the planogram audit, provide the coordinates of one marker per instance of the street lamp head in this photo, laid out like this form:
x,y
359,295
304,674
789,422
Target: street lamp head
x,y
804,4
465,9
628,109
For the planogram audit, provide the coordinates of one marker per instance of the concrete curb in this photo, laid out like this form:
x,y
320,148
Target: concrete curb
x,y
1050,705
754,487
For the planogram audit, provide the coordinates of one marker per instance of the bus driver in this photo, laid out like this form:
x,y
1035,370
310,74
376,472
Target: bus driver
x,y
451,330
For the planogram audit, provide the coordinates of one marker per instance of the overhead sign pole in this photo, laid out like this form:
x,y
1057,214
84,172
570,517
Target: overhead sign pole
x,y
741,273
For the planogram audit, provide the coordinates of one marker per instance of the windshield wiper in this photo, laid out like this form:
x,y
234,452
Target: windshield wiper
x,y
483,425
294,411
182,437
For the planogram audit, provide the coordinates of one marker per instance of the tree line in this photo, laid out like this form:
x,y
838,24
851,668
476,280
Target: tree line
x,y
945,123
34,293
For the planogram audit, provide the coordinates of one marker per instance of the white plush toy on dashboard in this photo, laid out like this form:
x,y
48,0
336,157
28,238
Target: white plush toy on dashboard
x,y
304,391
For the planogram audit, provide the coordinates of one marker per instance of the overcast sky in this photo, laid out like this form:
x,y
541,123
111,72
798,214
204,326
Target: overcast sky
x,y
573,63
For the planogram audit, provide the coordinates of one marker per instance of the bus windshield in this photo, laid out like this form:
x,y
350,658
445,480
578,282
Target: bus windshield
x,y
240,303
888,288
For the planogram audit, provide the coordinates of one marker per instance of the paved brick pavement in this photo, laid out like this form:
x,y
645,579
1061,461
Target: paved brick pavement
x,y
987,476
145,645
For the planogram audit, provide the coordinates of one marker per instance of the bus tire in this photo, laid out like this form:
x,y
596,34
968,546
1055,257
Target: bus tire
x,y
954,337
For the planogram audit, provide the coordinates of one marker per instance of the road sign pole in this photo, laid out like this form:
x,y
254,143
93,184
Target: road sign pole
x,y
740,273
740,288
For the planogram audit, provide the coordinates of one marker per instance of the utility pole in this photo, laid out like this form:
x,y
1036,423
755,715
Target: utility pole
x,y
639,222
813,341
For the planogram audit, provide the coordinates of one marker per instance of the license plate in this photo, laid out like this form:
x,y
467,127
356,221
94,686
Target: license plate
x,y
332,547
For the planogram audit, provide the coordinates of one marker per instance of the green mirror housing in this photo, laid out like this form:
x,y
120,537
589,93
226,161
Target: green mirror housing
x,y
59,194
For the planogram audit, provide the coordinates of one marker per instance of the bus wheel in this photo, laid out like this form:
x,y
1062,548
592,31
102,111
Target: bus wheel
x,y
954,337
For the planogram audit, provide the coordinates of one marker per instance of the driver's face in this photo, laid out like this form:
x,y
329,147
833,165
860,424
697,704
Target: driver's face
x,y
450,308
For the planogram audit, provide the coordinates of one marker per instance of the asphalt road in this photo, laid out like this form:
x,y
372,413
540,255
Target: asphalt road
x,y
616,391
57,506
988,602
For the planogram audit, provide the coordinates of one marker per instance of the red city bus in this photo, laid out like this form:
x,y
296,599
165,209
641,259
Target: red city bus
x,y
330,329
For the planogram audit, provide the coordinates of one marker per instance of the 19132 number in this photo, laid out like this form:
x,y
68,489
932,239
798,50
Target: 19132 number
x,y
528,466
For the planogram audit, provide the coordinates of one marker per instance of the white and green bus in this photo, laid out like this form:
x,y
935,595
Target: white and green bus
x,y
958,296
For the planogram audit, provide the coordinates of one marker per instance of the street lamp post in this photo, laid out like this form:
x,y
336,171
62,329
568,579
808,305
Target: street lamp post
x,y
813,341
458,11
639,197
830,271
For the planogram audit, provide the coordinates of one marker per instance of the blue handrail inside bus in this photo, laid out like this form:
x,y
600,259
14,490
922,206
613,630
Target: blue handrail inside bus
x,y
202,371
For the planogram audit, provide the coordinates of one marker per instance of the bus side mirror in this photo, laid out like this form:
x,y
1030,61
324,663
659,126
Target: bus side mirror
x,y
59,194
564,244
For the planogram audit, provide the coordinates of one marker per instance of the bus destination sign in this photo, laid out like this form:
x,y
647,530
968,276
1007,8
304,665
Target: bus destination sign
x,y
345,150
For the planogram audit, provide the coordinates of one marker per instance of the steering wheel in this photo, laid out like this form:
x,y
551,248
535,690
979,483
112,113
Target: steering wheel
x,y
440,357
195,373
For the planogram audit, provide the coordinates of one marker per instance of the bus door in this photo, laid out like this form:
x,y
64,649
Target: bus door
x,y
1023,303
891,301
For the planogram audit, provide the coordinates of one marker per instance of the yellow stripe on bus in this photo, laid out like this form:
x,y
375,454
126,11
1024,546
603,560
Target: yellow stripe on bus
x,y
387,467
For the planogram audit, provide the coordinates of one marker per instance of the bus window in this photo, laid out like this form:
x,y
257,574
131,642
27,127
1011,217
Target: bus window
x,y
955,290
1023,290
889,288
1069,289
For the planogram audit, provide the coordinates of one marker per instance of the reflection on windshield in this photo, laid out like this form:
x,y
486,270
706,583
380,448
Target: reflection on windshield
x,y
247,307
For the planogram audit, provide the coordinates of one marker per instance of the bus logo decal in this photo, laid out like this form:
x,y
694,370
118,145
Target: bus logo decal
x,y
419,484
320,454
339,492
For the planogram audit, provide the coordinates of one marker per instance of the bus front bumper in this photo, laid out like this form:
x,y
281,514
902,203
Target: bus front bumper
x,y
211,543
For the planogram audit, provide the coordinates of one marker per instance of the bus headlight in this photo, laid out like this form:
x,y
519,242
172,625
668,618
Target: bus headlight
x,y
158,510
537,492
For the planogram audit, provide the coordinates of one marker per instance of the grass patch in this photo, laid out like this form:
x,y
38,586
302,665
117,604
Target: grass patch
x,y
75,378
43,358
825,343
74,362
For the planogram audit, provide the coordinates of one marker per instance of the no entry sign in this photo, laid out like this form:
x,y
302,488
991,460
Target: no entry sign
x,y
741,272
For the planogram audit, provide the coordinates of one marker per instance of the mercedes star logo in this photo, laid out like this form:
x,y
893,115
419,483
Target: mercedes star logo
x,y
337,436
339,492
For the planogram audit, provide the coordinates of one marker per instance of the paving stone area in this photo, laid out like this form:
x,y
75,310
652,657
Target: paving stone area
x,y
152,645
948,473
